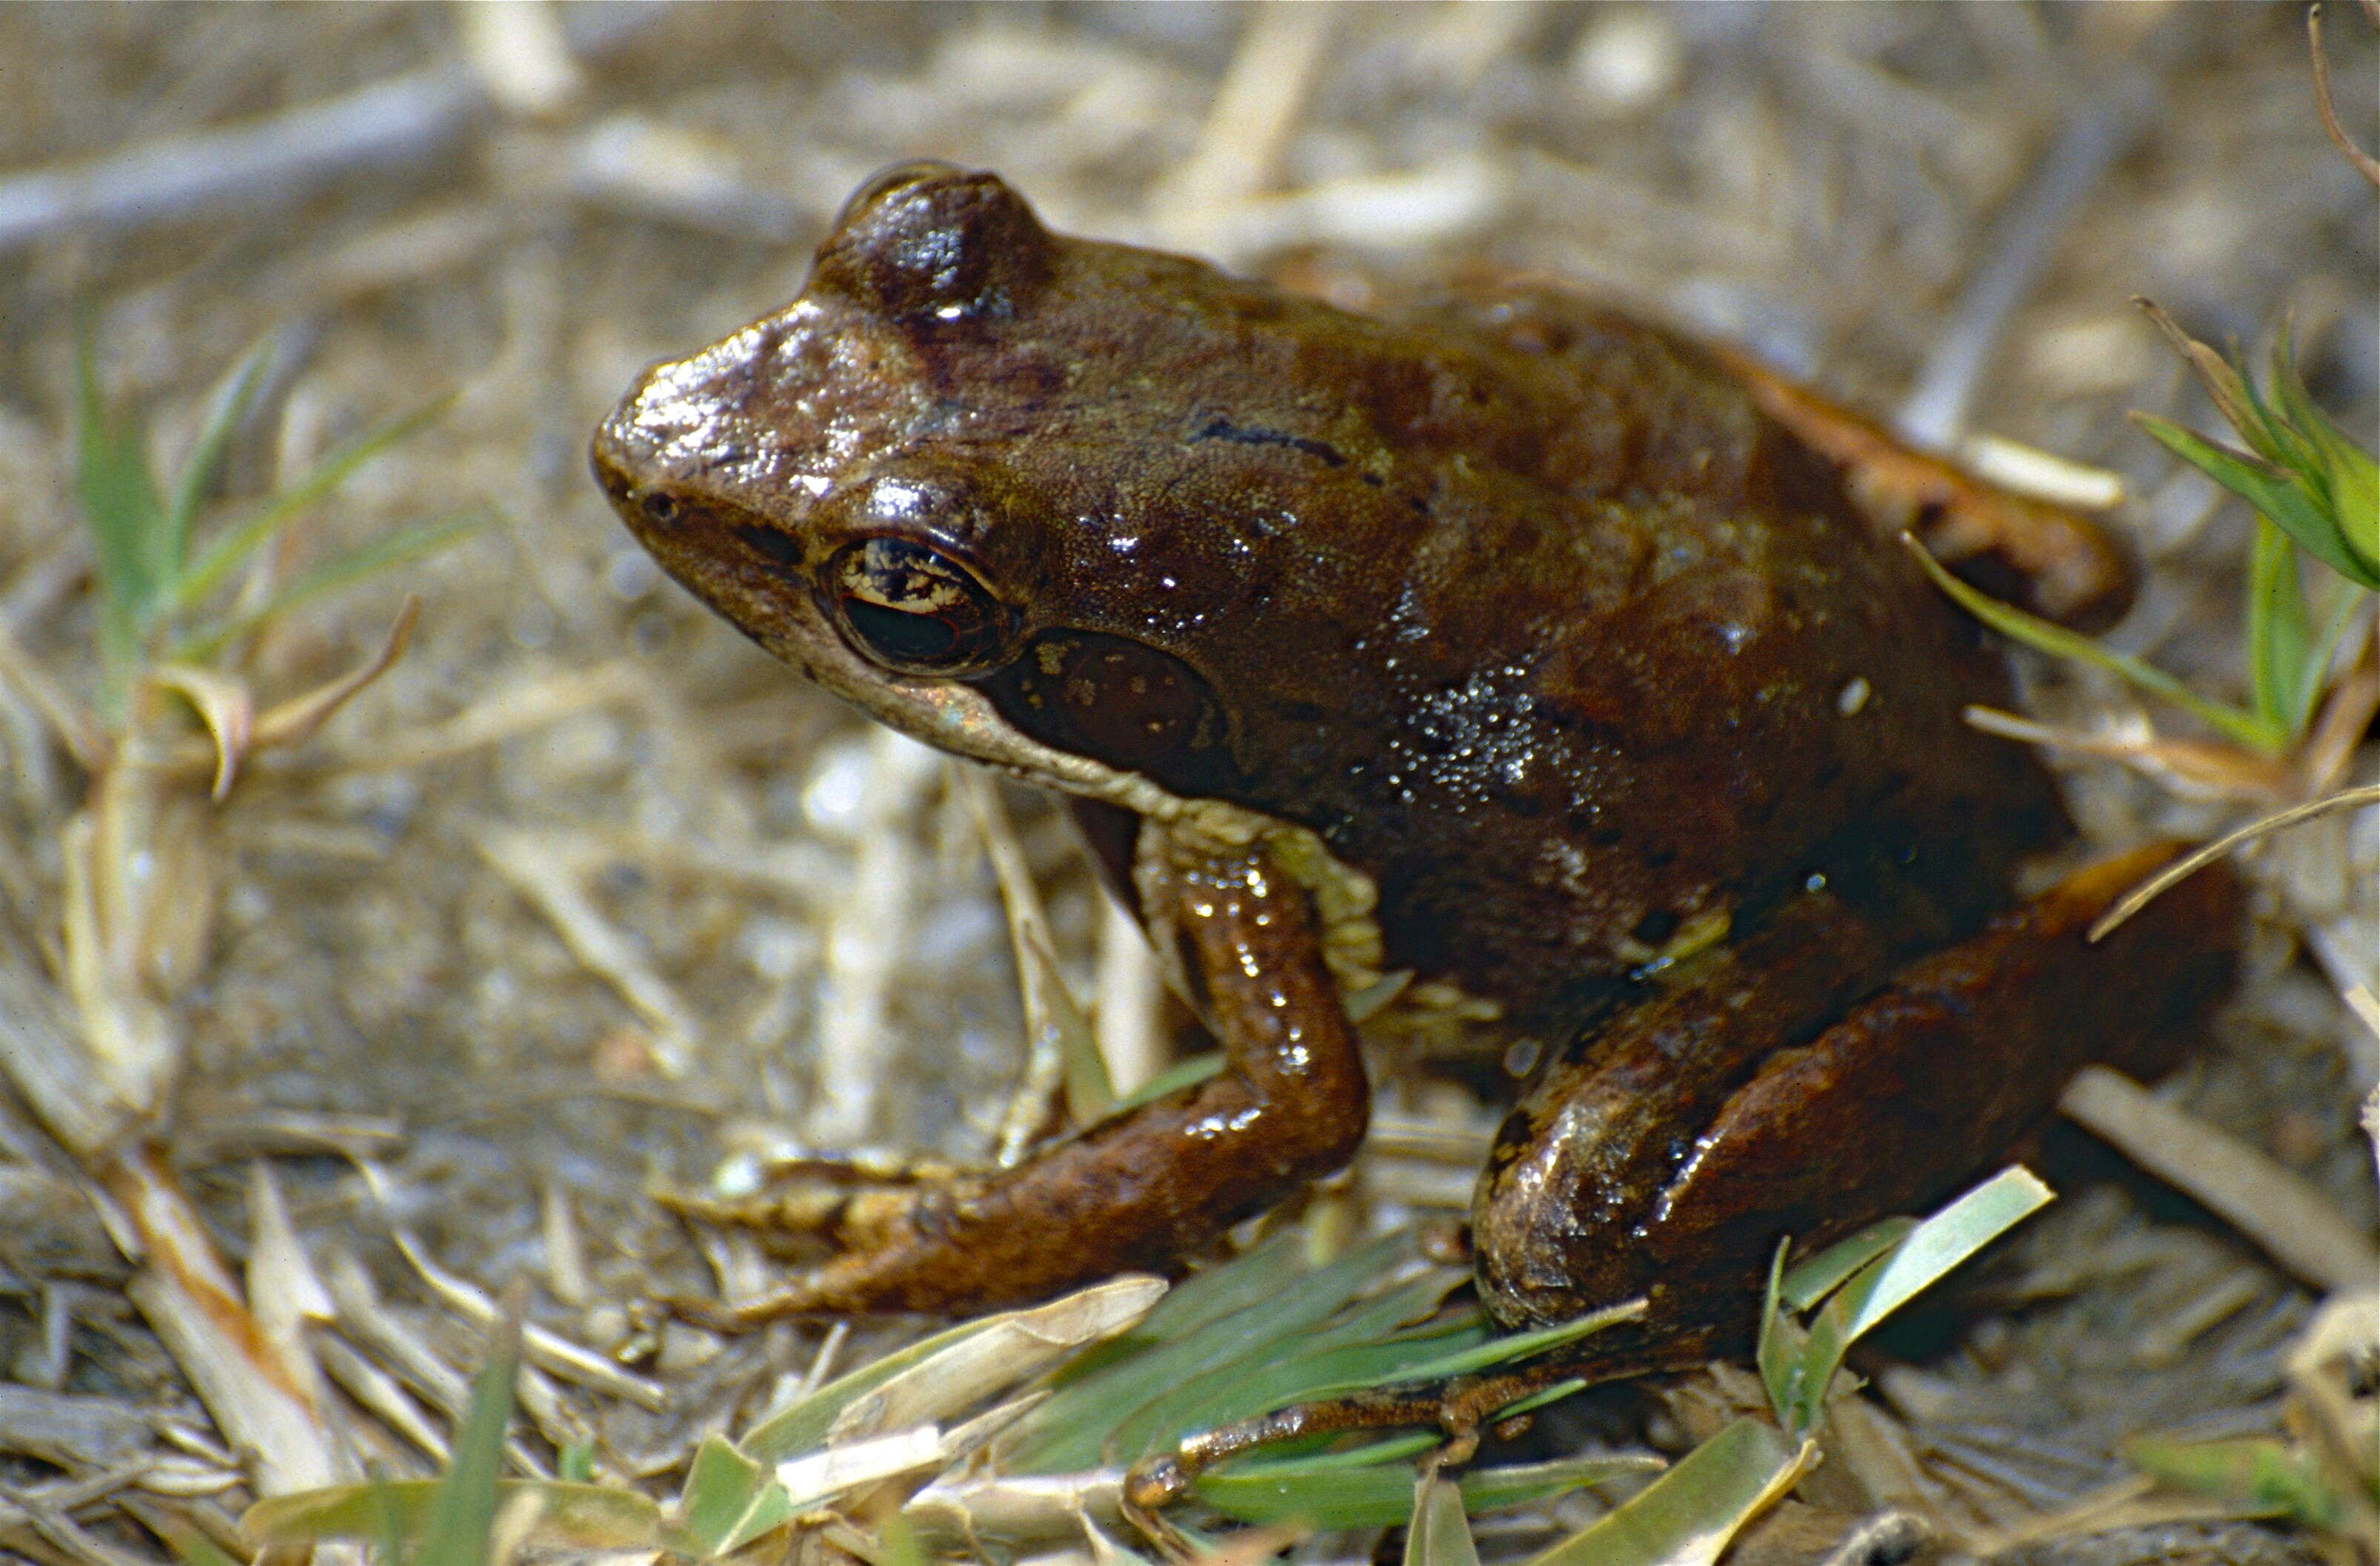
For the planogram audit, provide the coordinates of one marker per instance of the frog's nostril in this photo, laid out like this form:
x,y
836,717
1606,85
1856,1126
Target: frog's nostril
x,y
658,505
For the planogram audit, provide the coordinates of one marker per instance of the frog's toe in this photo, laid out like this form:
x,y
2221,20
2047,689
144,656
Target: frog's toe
x,y
846,1203
740,1315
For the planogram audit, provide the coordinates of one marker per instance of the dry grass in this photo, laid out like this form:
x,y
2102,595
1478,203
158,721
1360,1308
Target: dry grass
x,y
583,893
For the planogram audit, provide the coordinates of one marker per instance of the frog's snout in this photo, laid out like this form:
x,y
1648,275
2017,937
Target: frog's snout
x,y
614,458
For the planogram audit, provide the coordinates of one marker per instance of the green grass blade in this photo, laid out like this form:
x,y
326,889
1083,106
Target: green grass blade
x,y
802,1424
2347,603
463,1516
229,405
1361,1353
1379,1492
2255,1475
190,1546
1470,1360
1688,1516
570,1516
2245,728
383,553
2354,484
1440,1534
1812,1279
1198,1299
1290,1363
811,1422
2344,473
382,1512
901,1544
1369,1497
120,505
242,537
729,1501
1073,1429
1777,1353
1541,1397
2277,637
2334,468
2290,505
1287,1341
1921,1259
1172,1079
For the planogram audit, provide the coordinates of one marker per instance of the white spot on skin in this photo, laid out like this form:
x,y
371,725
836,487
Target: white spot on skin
x,y
1854,696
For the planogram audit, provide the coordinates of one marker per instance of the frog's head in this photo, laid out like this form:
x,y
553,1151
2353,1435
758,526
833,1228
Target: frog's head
x,y
830,478
1102,516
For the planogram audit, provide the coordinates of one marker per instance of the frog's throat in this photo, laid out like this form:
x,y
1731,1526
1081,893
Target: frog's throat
x,y
1432,1014
950,717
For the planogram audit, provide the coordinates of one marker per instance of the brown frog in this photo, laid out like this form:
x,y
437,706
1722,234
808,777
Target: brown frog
x,y
1511,674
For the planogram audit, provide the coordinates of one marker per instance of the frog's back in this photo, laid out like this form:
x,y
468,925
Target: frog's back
x,y
1711,677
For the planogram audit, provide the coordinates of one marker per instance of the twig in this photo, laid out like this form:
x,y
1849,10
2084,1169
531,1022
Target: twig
x,y
547,1350
2364,163
2187,767
2294,1223
1248,122
2198,859
75,728
1933,414
276,158
551,872
263,162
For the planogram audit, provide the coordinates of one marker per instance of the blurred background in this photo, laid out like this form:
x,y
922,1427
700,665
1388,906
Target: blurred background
x,y
583,895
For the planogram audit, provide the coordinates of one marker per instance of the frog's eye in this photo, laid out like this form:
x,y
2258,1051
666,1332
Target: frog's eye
x,y
914,609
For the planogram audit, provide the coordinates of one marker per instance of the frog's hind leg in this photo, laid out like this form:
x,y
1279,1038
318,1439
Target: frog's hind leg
x,y
1927,1082
2043,556
1143,1188
1915,1091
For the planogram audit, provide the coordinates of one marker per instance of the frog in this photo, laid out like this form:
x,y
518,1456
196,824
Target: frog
x,y
1497,675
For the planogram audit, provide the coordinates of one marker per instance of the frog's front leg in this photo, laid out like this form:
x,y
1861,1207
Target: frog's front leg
x,y
1148,1186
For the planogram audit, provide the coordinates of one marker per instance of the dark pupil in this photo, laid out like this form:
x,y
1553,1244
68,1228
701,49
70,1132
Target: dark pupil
x,y
902,637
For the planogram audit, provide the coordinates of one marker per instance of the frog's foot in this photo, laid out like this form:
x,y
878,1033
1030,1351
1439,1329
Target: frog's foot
x,y
1814,1131
2043,557
1461,1409
1139,1189
844,1201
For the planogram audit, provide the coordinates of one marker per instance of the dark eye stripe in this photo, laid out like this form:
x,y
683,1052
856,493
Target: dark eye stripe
x,y
783,548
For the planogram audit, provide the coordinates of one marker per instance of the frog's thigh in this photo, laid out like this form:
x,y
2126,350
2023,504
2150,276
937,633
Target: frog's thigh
x,y
1922,1085
1602,1129
1142,1188
2053,561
